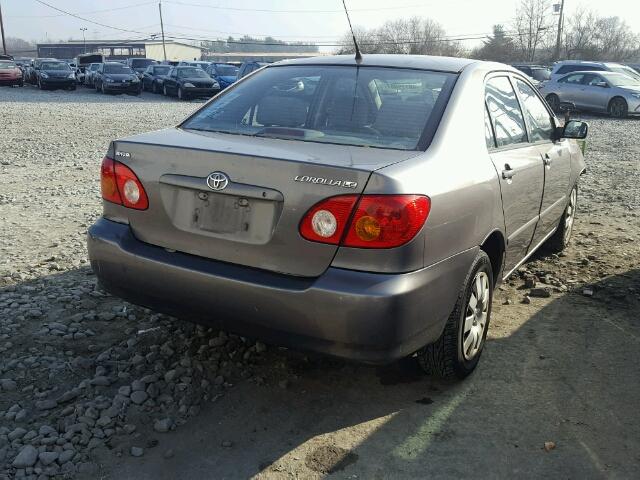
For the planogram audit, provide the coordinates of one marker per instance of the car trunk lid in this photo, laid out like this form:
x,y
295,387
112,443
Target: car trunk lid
x,y
253,220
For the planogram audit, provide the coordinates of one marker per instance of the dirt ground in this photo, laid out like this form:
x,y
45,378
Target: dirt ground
x,y
92,387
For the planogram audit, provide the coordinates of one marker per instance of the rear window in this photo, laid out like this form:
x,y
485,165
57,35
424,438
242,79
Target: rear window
x,y
191,72
117,69
541,74
366,106
226,70
161,70
142,62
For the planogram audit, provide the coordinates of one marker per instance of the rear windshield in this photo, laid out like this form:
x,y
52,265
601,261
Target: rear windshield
x,y
541,74
161,70
366,106
55,66
142,62
117,68
226,70
191,72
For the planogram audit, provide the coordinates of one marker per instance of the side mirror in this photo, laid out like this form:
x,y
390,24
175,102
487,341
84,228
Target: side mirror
x,y
575,129
602,84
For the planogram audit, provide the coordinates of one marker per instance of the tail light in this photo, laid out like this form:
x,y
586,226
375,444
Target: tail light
x,y
379,221
120,185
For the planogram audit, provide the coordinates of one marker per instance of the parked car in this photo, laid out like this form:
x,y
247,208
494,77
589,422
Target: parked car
x,y
189,82
635,66
154,76
89,73
32,71
569,66
55,74
82,61
609,92
139,65
10,73
317,205
6,57
114,77
173,63
247,67
223,73
537,73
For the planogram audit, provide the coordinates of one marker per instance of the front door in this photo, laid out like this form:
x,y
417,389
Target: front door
x,y
519,167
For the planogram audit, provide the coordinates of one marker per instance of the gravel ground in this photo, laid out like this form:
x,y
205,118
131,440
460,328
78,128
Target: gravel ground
x,y
93,387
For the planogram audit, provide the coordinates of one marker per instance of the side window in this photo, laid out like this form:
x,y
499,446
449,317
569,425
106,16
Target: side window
x,y
575,79
538,118
488,131
506,116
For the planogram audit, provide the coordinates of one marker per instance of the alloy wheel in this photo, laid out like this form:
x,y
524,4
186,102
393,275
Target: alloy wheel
x,y
476,314
618,108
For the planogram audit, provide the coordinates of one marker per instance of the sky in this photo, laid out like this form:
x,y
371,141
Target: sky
x,y
303,20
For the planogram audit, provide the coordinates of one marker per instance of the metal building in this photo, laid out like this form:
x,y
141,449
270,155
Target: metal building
x,y
121,49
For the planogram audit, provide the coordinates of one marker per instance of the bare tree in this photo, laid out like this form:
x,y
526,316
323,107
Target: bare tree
x,y
531,24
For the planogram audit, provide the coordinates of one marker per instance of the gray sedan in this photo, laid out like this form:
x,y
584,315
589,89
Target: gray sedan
x,y
364,209
607,92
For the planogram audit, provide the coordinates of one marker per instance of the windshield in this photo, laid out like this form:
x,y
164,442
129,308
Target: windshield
x,y
626,71
55,66
192,72
621,80
226,70
142,62
367,106
94,67
161,70
117,69
541,74
7,65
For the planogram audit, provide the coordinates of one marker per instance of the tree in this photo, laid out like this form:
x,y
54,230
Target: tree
x,y
19,47
531,23
499,47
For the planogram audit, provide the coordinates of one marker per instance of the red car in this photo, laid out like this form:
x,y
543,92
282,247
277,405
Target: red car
x,y
10,73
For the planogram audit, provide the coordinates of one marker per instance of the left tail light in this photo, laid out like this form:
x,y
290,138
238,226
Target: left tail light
x,y
120,185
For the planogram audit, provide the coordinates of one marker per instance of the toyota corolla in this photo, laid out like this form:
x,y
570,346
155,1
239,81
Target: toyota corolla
x,y
364,209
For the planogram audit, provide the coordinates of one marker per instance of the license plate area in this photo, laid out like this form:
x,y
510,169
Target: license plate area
x,y
219,215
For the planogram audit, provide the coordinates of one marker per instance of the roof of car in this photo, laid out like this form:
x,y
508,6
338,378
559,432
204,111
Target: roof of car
x,y
427,62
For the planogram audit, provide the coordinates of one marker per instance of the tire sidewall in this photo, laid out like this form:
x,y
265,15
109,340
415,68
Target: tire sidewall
x,y
624,111
481,263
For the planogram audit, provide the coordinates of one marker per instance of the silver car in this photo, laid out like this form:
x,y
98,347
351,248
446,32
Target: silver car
x,y
609,92
362,209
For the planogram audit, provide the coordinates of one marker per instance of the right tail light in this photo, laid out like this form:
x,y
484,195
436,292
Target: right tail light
x,y
372,221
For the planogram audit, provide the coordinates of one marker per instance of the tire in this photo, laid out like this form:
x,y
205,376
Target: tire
x,y
154,87
554,102
40,85
457,352
618,107
72,88
181,95
102,88
164,91
562,236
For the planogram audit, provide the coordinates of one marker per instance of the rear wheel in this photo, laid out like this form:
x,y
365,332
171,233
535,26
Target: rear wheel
x,y
154,87
562,236
457,352
618,108
554,102
181,94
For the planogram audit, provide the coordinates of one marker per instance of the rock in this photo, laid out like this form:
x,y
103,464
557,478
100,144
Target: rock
x,y
163,425
526,300
65,456
548,446
138,397
47,458
125,390
26,458
540,292
100,381
46,404
587,292
169,453
137,451
137,385
8,385
16,434
227,444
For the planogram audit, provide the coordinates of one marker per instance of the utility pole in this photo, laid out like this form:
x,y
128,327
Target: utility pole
x,y
559,39
164,48
84,41
4,43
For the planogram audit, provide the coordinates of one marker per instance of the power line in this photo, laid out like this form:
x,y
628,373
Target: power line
x,y
268,10
90,21
86,13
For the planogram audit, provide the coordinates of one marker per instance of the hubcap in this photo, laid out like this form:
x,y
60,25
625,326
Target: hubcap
x,y
570,215
476,313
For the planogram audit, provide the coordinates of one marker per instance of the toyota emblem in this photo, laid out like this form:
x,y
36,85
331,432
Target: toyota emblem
x,y
217,181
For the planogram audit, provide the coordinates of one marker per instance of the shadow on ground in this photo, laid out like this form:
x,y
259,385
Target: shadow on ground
x,y
568,375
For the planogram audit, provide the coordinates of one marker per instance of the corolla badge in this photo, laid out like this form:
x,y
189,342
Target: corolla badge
x,y
217,181
325,181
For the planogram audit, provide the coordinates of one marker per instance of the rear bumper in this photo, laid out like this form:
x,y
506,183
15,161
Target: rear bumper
x,y
373,318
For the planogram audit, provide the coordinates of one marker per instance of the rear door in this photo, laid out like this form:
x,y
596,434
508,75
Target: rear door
x,y
555,155
519,167
570,89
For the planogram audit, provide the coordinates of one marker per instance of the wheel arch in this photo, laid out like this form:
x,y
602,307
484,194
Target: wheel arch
x,y
494,246
616,97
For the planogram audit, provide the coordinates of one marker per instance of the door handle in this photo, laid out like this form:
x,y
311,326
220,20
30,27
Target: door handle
x,y
508,172
547,160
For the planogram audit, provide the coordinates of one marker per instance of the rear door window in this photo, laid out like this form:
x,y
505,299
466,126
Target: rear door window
x,y
367,106
504,109
538,118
